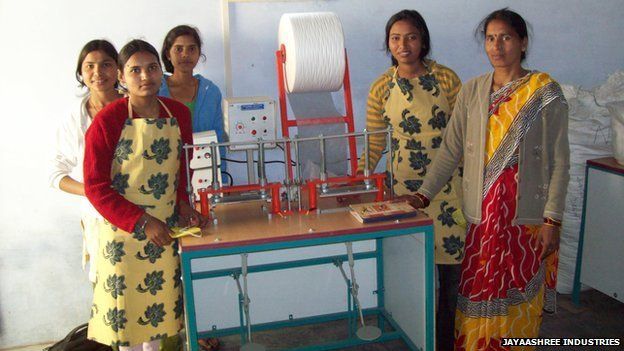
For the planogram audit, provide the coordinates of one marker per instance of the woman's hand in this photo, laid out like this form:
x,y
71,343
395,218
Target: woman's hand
x,y
157,231
189,217
548,239
414,200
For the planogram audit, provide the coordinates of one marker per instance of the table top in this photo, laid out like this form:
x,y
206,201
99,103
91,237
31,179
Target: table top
x,y
608,163
243,224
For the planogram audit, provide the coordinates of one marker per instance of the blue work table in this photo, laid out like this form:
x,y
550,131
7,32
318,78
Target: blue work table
x,y
402,275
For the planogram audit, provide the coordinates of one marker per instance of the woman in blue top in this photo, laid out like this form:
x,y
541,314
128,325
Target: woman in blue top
x,y
180,53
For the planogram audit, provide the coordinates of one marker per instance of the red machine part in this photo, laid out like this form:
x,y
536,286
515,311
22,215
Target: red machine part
x,y
274,188
280,56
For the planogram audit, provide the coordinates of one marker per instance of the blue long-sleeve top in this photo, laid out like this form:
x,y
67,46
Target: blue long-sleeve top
x,y
207,113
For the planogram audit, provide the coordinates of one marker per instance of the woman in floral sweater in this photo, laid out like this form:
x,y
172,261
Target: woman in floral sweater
x,y
133,170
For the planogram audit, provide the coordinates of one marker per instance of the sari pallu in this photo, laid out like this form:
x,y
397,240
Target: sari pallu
x,y
505,285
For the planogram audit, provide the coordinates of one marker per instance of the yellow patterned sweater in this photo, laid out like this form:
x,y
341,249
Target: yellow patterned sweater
x,y
378,94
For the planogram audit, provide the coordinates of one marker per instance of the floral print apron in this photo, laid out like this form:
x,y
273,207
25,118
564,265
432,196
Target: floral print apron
x,y
418,112
137,295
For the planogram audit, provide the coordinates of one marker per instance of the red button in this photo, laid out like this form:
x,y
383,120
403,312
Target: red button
x,y
253,132
264,118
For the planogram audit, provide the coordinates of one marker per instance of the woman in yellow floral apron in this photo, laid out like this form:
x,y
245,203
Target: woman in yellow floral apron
x,y
133,177
415,97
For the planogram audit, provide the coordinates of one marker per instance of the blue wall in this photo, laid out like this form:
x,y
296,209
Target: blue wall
x,y
43,292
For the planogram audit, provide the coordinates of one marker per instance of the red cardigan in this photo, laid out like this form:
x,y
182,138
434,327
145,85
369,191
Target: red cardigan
x,y
100,142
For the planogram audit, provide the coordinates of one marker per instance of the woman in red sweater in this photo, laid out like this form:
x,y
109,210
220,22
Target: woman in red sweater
x,y
134,176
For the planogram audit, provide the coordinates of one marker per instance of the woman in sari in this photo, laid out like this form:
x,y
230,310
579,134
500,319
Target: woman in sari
x,y
510,127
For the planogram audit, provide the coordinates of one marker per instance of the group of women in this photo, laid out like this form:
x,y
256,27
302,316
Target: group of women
x,y
125,155
495,149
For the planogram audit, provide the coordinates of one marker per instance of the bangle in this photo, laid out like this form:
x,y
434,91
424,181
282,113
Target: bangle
x,y
552,222
425,201
140,228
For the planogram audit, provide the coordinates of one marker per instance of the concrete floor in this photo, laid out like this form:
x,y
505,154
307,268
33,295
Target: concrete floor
x,y
598,316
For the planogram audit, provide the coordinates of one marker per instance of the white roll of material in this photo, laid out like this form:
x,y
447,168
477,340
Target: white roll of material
x,y
315,56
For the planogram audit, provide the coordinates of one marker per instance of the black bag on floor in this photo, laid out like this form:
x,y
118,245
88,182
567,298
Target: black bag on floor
x,y
77,340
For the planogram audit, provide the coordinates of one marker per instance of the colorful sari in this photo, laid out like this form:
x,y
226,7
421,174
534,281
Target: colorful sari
x,y
505,286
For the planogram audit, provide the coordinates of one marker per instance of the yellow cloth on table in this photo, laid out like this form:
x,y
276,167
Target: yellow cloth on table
x,y
180,232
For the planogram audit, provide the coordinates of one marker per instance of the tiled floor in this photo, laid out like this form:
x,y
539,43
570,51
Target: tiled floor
x,y
598,316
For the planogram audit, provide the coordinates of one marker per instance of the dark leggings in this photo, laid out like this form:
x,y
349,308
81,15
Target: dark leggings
x,y
448,276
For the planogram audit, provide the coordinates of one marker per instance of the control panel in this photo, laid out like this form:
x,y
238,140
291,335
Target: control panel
x,y
201,163
249,119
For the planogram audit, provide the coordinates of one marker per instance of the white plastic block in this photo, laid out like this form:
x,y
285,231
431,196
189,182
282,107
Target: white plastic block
x,y
202,156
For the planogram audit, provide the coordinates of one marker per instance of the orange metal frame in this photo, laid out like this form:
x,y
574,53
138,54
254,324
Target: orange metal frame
x,y
312,184
274,188
280,56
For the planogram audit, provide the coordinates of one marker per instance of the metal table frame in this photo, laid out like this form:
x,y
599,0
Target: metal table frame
x,y
609,166
188,277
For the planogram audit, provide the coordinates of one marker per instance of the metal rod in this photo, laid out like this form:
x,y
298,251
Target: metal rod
x,y
347,191
287,182
261,169
241,305
281,140
251,175
323,167
366,154
389,143
189,186
354,285
245,294
299,177
349,296
215,167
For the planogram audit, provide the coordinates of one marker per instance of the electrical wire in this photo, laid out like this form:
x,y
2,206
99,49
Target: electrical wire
x,y
231,182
